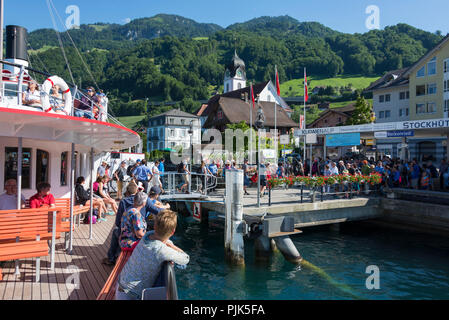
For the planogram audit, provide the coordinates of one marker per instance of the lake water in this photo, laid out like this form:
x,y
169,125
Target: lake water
x,y
411,265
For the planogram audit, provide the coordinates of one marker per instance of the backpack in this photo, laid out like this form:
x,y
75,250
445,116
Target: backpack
x,y
130,169
94,217
180,168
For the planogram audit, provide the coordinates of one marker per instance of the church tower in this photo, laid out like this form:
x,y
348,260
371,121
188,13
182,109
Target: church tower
x,y
235,74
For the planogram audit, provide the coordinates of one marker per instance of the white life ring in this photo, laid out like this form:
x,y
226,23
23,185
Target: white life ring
x,y
67,95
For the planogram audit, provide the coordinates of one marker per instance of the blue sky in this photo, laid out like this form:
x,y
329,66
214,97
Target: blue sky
x,y
344,15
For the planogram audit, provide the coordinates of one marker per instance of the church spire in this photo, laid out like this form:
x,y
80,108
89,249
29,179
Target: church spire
x,y
235,74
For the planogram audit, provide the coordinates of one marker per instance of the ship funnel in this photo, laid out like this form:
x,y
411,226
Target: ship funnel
x,y
16,47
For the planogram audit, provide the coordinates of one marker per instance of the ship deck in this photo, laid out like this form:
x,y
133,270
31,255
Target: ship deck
x,y
86,257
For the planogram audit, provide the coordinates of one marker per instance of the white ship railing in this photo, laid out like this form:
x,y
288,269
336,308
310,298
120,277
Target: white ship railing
x,y
14,85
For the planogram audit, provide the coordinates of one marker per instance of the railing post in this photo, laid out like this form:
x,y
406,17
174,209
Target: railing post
x,y
302,192
269,196
322,192
73,102
53,239
190,181
19,89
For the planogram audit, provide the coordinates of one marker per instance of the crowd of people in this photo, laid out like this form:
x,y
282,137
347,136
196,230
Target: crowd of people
x,y
395,172
143,224
92,105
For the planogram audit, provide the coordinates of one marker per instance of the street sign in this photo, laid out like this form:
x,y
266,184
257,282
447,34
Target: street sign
x,y
311,138
369,142
269,153
376,127
400,133
285,139
402,145
343,139
380,134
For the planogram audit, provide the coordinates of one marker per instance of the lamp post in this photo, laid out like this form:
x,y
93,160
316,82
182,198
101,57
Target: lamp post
x,y
191,144
259,125
191,154
244,97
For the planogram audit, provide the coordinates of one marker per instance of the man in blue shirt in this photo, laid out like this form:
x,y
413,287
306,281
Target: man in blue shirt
x,y
213,168
379,168
143,174
152,207
161,169
416,172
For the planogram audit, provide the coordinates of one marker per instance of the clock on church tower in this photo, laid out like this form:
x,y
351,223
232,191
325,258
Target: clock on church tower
x,y
235,74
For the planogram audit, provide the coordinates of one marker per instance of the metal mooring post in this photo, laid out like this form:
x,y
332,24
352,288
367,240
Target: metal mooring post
x,y
234,224
302,192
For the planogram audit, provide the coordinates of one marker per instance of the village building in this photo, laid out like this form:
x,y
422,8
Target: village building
x,y
170,130
234,105
419,92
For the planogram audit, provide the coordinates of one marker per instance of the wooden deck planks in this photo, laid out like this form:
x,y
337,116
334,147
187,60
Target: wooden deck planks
x,y
86,256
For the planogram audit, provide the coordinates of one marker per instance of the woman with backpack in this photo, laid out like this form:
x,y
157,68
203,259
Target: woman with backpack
x,y
82,197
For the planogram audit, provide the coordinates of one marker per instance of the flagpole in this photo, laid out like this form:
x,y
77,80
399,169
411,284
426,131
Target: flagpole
x,y
251,126
275,109
305,145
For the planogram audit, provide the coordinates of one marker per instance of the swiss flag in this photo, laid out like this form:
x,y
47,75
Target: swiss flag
x,y
278,89
252,96
306,91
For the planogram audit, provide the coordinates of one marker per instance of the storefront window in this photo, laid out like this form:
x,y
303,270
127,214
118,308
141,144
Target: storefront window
x,y
64,159
11,165
42,159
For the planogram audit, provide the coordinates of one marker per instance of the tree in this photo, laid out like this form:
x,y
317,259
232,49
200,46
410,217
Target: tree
x,y
362,112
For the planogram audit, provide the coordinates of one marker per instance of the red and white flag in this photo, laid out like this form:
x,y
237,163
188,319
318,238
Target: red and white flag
x,y
306,91
301,121
252,96
278,88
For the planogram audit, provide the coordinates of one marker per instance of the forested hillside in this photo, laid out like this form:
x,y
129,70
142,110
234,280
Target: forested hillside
x,y
167,57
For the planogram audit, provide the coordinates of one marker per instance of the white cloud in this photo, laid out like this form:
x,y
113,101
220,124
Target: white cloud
x,y
126,20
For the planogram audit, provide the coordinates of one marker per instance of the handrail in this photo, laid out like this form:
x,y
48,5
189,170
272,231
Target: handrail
x,y
205,178
77,94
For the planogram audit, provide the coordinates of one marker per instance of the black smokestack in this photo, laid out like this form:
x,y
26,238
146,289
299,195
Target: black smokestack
x,y
16,43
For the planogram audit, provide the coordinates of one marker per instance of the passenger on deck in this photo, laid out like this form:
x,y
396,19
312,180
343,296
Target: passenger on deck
x,y
43,197
101,170
119,176
155,180
56,100
86,105
185,174
83,197
133,225
8,200
102,192
32,97
153,207
142,174
205,172
152,251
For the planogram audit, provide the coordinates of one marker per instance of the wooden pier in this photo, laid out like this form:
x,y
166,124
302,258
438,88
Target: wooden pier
x,y
288,203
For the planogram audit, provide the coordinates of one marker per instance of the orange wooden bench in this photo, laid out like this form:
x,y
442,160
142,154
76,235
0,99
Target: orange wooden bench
x,y
108,291
22,234
63,226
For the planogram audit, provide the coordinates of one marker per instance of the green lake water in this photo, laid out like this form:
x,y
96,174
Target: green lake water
x,y
411,265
